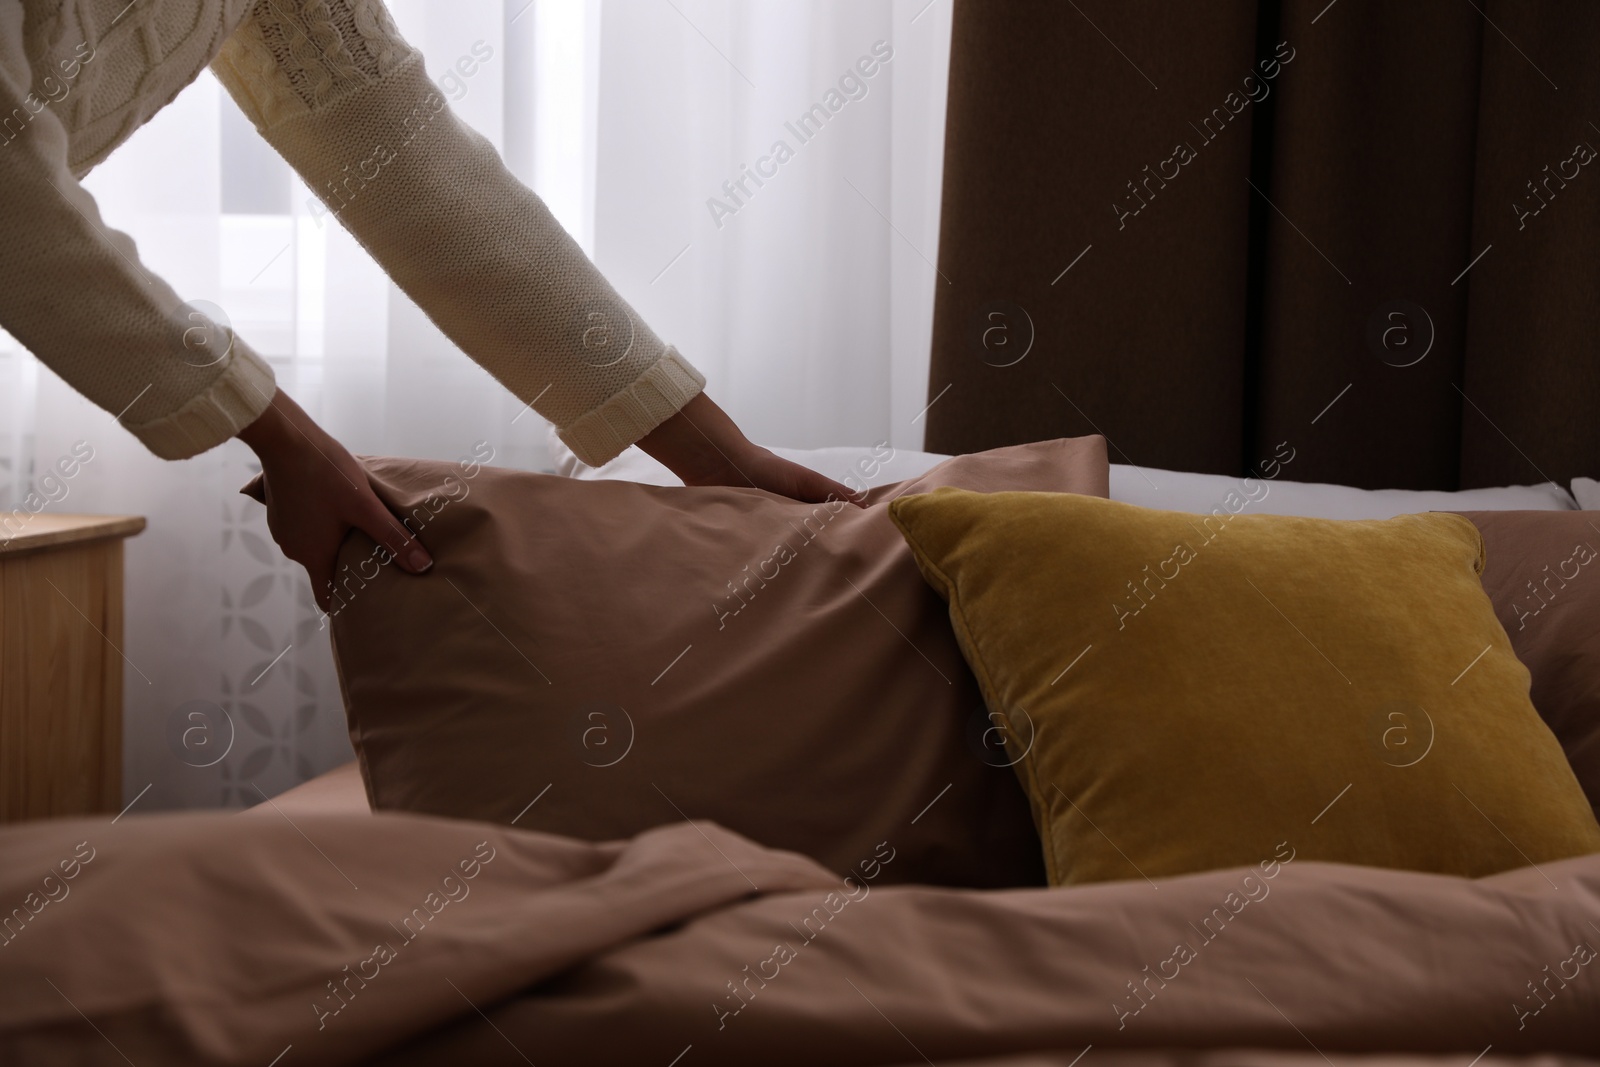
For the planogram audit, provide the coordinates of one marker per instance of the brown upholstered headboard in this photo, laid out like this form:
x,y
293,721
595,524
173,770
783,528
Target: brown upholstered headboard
x,y
1366,228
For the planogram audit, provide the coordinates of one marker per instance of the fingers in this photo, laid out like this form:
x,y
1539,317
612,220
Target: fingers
x,y
814,488
833,488
379,523
856,497
315,493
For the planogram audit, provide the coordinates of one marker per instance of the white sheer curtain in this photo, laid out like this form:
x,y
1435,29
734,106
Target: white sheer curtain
x,y
809,309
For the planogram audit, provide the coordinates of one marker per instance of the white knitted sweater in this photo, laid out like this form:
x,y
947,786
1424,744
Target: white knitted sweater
x,y
335,89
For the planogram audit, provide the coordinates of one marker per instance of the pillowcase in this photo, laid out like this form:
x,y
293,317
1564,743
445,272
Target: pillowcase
x,y
1543,575
1192,693
597,658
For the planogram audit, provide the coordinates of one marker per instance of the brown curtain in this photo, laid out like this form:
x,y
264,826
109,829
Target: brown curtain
x,y
1204,229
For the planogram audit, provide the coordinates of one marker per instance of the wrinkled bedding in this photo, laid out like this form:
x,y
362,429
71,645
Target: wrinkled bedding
x,y
1331,959
221,939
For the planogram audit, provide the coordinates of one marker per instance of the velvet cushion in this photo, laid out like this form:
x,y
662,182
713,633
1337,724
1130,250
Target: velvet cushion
x,y
597,658
1543,574
1192,692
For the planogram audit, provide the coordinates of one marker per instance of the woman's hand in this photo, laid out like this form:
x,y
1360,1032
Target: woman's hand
x,y
701,445
316,492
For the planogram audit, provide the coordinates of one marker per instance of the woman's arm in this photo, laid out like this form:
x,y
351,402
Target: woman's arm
x,y
333,86
73,291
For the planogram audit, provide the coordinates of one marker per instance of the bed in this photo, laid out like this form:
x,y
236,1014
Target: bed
x,y
662,908
309,929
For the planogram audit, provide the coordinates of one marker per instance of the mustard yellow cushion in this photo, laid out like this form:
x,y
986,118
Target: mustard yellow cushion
x,y
1186,692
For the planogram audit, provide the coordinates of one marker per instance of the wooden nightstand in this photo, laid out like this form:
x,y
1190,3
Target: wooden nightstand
x,y
60,668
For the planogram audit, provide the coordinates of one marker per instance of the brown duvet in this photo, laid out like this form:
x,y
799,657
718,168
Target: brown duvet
x,y
403,939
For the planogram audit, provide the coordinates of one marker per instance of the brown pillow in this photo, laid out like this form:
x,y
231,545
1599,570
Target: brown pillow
x,y
596,658
1543,573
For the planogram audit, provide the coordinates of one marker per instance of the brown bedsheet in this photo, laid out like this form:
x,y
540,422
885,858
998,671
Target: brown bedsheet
x,y
1329,959
213,939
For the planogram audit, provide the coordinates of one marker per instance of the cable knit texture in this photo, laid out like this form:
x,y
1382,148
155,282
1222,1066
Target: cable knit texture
x,y
335,89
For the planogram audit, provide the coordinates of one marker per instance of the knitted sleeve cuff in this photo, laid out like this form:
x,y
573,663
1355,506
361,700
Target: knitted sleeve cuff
x,y
234,400
653,398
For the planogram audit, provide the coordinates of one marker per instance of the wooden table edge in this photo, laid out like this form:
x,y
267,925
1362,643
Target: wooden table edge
x,y
53,531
